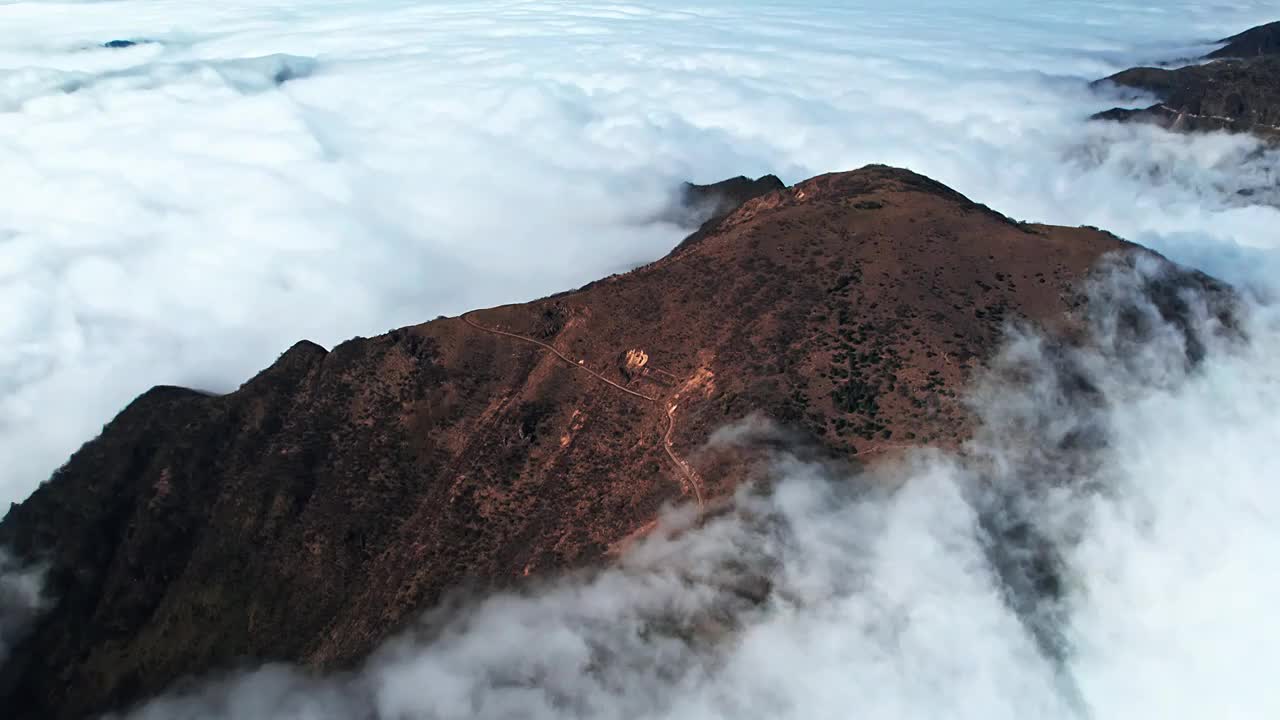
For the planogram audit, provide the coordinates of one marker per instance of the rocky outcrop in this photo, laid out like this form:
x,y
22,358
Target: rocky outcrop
x,y
314,511
703,205
719,199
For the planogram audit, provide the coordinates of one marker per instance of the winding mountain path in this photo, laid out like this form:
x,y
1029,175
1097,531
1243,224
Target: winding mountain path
x,y
691,475
579,364
691,479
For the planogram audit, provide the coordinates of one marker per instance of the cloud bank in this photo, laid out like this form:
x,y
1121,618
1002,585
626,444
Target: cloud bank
x,y
1099,550
183,209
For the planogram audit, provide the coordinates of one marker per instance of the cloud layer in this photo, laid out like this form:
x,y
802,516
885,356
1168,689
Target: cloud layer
x,y
183,209
1099,550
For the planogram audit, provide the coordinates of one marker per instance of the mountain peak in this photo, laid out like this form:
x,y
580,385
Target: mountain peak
x,y
314,511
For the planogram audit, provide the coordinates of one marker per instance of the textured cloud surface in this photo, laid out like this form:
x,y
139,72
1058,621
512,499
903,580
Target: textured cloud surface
x,y
248,174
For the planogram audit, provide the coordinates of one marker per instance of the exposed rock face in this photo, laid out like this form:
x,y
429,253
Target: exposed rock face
x,y
311,513
1240,95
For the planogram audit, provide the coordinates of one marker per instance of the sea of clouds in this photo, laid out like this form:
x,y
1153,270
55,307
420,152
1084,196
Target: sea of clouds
x,y
249,174
181,210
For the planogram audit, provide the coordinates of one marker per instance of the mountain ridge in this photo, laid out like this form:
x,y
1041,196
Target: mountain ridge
x,y
318,508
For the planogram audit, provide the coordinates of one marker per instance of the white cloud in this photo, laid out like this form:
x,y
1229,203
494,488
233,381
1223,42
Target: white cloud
x,y
21,600
919,591
175,214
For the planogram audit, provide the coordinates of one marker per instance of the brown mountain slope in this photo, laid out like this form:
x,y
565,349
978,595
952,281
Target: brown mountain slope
x,y
312,512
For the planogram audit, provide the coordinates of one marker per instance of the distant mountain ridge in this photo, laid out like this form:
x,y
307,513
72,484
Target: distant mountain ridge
x,y
1238,91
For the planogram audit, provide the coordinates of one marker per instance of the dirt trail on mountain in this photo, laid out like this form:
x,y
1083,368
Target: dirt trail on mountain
x,y
690,474
558,354
692,481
